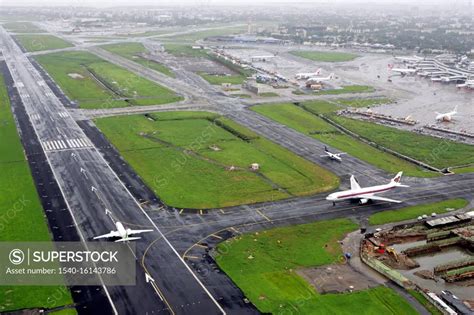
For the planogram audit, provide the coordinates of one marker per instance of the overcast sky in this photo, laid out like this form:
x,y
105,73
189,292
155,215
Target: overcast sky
x,y
107,3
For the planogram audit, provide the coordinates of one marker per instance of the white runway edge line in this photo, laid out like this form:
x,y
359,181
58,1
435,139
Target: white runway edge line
x,y
146,215
69,206
164,237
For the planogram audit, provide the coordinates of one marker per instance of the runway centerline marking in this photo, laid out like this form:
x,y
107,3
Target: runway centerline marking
x,y
263,215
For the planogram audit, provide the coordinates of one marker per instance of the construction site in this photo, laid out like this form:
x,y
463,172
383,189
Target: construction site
x,y
434,256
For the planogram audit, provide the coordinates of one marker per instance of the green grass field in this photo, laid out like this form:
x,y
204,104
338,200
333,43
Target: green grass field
x,y
42,42
100,84
183,50
410,213
433,151
263,266
347,89
305,122
185,158
461,170
423,301
268,94
21,214
363,102
22,27
207,33
325,56
219,79
133,52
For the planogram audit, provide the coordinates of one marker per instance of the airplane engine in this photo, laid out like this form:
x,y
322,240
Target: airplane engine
x,y
363,201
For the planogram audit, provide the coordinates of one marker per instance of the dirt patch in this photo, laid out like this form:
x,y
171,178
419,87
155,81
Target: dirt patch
x,y
75,76
336,279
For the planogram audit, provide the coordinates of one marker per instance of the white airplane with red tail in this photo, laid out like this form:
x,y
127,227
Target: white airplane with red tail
x,y
307,75
368,193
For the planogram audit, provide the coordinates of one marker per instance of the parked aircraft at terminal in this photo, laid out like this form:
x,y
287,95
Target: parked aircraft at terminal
x,y
315,80
307,75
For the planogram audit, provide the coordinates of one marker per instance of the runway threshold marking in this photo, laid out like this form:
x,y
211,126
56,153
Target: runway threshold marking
x,y
263,215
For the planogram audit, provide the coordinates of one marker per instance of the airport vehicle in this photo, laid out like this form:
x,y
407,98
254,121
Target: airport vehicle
x,y
332,156
368,193
315,80
307,75
447,116
123,233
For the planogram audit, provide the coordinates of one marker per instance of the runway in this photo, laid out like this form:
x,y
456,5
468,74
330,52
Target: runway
x,y
89,186
88,175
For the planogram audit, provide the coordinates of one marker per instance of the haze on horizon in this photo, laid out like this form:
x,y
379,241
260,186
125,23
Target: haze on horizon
x,y
115,3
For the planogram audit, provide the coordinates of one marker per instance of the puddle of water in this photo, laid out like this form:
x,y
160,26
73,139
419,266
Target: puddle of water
x,y
428,262
401,247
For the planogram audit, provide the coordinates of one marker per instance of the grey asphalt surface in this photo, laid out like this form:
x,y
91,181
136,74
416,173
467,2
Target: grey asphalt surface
x,y
89,186
192,235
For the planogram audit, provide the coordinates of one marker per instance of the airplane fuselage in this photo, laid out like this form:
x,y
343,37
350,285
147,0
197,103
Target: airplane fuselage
x,y
121,229
359,193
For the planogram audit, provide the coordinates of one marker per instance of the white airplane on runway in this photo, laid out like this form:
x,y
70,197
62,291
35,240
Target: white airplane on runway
x,y
123,233
314,80
333,156
447,116
368,193
307,75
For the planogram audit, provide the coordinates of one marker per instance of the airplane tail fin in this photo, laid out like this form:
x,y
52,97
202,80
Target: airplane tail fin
x,y
326,149
126,239
397,180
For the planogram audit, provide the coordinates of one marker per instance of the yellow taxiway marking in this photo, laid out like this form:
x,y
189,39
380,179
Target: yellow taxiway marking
x,y
191,257
263,215
216,236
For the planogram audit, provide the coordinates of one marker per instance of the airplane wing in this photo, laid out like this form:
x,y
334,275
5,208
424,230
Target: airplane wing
x,y
372,197
131,232
354,184
111,234
341,153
